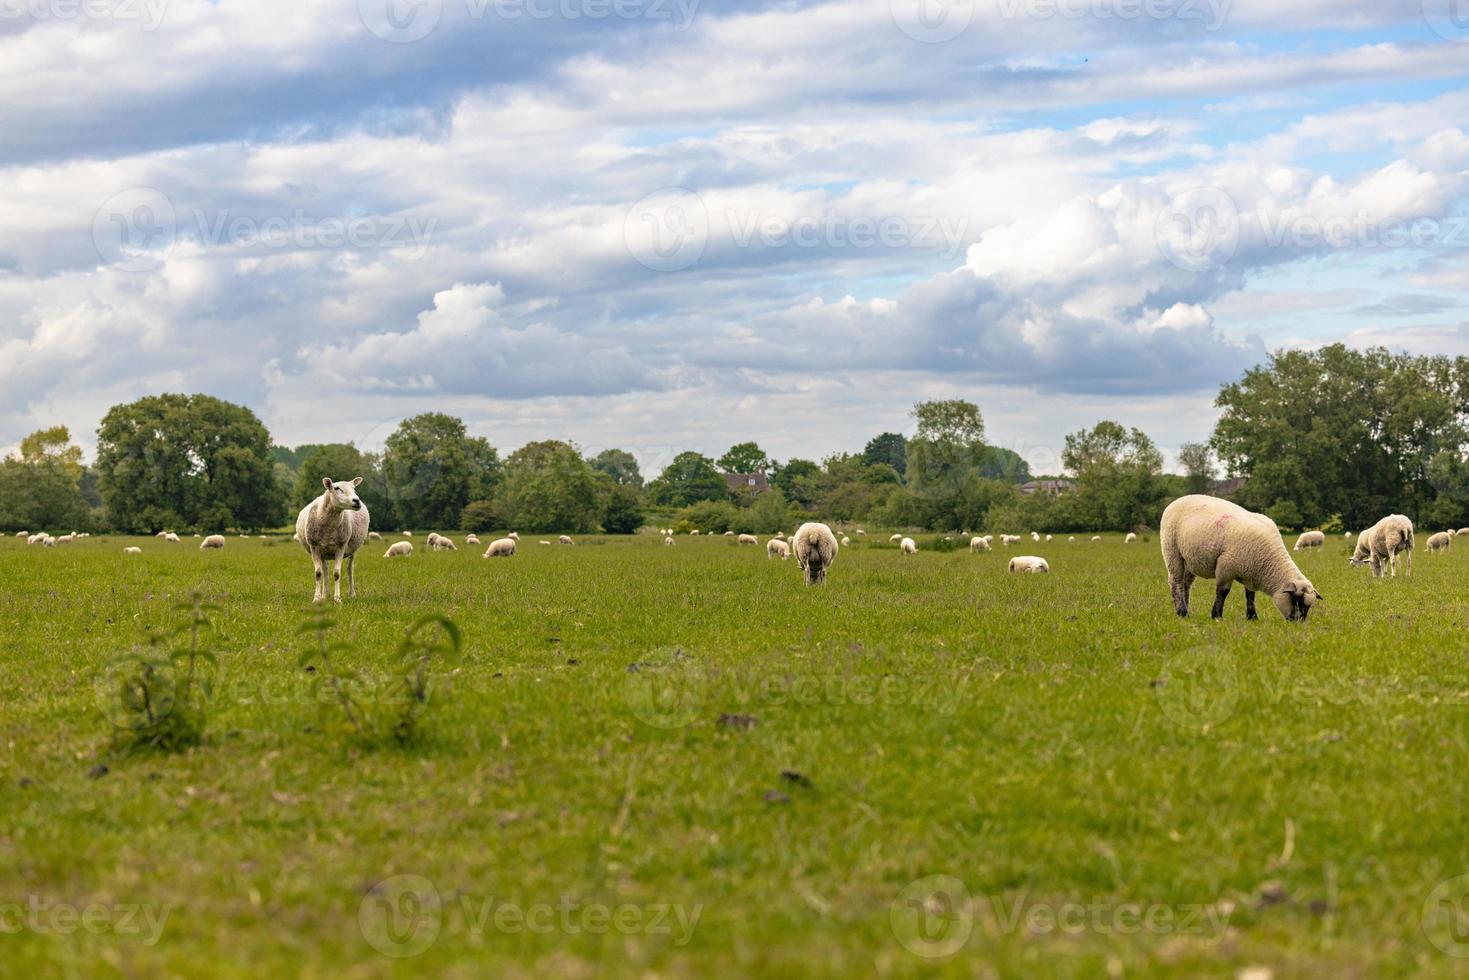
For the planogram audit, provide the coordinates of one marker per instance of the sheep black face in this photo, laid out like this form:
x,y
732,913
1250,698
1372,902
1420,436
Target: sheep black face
x,y
1296,599
343,495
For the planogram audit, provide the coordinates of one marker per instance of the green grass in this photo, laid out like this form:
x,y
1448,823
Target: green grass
x,y
1043,740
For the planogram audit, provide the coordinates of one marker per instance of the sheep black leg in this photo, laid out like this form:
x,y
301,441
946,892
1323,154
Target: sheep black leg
x,y
1220,594
1250,605
1180,594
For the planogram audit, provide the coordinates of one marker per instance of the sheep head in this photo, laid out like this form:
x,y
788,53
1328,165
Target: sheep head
x,y
342,495
1295,599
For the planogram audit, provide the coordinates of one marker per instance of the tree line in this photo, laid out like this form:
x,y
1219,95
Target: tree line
x,y
1330,438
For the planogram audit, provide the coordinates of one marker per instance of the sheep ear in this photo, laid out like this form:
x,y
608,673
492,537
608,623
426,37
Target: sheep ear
x,y
357,481
326,481
1320,597
1290,588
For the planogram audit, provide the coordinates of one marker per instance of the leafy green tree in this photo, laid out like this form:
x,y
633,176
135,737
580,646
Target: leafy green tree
x,y
689,479
339,461
744,457
1449,474
767,514
711,516
1118,475
620,465
1003,464
433,468
479,516
1197,460
799,480
186,461
40,489
890,448
622,508
548,486
53,445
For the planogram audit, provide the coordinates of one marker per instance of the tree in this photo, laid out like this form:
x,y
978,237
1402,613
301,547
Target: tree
x,y
622,508
946,451
690,478
433,468
799,479
53,445
1197,460
186,461
42,487
547,486
620,465
1117,474
890,448
339,461
744,457
952,421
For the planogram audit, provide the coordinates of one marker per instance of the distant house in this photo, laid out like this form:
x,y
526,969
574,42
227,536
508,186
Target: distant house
x,y
752,483
1052,487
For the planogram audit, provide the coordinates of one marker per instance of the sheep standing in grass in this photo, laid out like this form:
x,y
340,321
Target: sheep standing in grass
x,y
399,549
1008,539
1310,539
908,546
213,541
471,539
748,539
132,550
1096,537
432,540
1463,530
565,540
816,549
777,548
513,536
1131,537
371,536
1383,542
171,538
978,544
1212,538
668,541
846,541
894,539
501,548
1028,563
1439,542
445,544
333,527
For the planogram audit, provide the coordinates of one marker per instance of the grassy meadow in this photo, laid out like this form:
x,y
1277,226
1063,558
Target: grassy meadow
x,y
680,762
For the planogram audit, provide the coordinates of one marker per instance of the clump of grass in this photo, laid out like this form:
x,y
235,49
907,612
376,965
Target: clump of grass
x,y
159,696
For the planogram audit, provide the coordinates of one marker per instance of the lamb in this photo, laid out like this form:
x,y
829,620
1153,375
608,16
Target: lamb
x,y
748,539
442,543
668,541
1035,535
432,539
501,548
1383,542
978,544
334,526
895,539
171,538
1048,537
1310,539
1008,539
1096,537
471,539
816,549
1131,537
564,539
729,534
132,550
1439,542
774,547
908,546
1028,563
1213,538
373,536
213,541
846,541
399,549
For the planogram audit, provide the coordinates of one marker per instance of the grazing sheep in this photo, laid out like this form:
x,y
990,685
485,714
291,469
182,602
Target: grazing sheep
x,y
213,541
780,535
407,534
1439,542
1310,539
398,549
34,538
1048,537
895,539
564,539
1028,563
546,543
471,539
668,541
1208,537
816,549
1463,530
846,541
501,548
1035,535
371,536
171,538
1131,537
908,546
860,532
1347,535
513,536
978,544
1096,537
442,543
694,533
132,550
1383,542
333,527
729,534
47,541
1008,539
1072,538
432,539
748,539
775,546
22,534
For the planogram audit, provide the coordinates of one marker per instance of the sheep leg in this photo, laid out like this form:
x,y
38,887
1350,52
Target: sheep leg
x,y
337,578
1221,592
351,576
1408,563
1250,605
320,565
1180,587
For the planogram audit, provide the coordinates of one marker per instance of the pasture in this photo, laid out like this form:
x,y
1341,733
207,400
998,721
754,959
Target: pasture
x,y
680,762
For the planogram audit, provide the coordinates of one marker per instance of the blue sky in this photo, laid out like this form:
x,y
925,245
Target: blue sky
x,y
669,225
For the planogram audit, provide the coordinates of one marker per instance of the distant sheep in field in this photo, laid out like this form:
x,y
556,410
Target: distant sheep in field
x,y
729,534
371,536
443,543
1383,542
407,534
1131,537
1096,537
331,528
471,539
894,539
47,541
816,548
1310,539
132,550
501,548
1028,563
213,541
978,544
1439,542
846,541
546,543
777,548
1071,539
1048,537
908,546
668,541
748,539
860,532
565,539
399,549
513,536
1008,539
1035,535
1208,537
22,534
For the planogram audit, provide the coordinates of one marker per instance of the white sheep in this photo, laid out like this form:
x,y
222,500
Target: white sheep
x,y
1310,539
564,539
729,534
978,544
1096,537
513,536
1008,539
748,539
171,538
432,539
1035,535
22,534
501,548
471,539
371,536
213,541
1463,530
908,546
444,543
860,532
846,541
668,541
47,541
1383,542
775,546
816,549
1213,538
132,550
399,549
894,539
1028,563
34,538
1072,539
333,527
1048,537
1439,542
1131,537
407,534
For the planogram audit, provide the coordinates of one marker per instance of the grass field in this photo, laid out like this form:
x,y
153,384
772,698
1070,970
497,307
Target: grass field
x,y
680,762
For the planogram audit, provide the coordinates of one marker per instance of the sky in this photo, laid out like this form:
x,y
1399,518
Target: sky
x,y
667,225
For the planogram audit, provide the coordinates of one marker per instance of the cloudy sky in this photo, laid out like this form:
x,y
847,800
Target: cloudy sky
x,y
673,224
